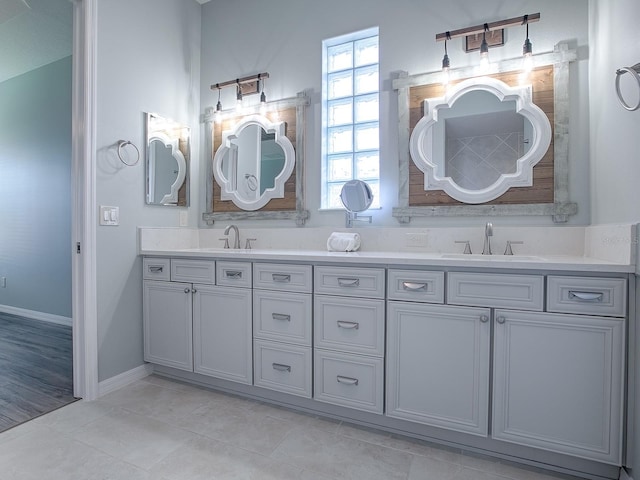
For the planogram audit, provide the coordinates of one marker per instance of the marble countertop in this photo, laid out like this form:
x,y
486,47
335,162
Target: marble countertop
x,y
515,262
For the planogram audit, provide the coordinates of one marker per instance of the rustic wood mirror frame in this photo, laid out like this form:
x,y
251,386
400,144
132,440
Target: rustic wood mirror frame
x,y
555,202
292,111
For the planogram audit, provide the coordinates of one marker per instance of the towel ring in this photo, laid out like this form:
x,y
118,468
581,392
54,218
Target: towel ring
x,y
121,145
635,72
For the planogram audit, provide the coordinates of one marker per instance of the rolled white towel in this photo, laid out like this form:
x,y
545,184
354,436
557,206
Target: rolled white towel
x,y
343,242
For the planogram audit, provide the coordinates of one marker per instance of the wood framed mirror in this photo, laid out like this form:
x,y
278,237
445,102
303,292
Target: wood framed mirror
x,y
549,191
236,194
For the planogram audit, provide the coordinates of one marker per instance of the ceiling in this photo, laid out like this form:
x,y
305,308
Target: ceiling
x,y
33,33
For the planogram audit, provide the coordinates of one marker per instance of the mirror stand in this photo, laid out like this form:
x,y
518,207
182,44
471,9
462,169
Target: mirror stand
x,y
352,217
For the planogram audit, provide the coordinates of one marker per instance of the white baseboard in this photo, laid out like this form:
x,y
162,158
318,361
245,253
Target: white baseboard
x,y
624,475
42,316
125,378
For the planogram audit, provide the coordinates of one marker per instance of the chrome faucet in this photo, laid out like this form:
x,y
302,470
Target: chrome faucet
x,y
236,242
488,233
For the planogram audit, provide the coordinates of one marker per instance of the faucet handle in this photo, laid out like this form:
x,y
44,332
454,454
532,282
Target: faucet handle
x,y
226,242
508,250
467,246
247,244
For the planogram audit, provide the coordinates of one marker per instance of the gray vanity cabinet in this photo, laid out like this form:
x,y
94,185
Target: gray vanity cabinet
x,y
167,324
437,356
559,377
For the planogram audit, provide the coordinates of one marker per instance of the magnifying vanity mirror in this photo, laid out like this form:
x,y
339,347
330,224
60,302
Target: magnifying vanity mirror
x,y
167,160
253,162
356,197
480,139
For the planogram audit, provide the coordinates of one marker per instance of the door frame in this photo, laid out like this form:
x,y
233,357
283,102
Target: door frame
x,y
84,206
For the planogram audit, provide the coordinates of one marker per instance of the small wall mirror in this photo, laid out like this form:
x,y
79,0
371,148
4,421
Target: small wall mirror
x,y
167,160
356,197
482,138
253,162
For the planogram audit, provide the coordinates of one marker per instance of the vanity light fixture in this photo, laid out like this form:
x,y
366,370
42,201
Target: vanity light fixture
x,y
238,97
484,29
484,50
217,116
446,64
244,86
263,98
527,49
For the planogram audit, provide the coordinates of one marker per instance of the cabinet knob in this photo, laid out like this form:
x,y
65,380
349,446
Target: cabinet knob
x,y
484,318
501,320
194,290
187,290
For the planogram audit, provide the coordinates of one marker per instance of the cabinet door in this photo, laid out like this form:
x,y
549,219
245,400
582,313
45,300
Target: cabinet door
x,y
167,324
558,383
222,332
438,365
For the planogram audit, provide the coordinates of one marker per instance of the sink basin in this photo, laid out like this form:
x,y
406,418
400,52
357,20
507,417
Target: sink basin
x,y
494,258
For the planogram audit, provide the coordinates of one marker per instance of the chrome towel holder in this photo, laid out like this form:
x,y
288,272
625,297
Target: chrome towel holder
x,y
634,72
122,144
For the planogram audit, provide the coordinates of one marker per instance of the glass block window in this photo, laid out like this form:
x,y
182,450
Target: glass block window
x,y
350,114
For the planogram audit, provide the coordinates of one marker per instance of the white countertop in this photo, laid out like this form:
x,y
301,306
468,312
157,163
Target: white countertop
x,y
515,262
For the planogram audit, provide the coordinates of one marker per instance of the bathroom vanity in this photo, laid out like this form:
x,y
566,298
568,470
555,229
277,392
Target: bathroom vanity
x,y
523,358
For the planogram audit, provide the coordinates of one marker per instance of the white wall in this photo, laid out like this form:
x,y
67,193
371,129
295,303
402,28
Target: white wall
x,y
148,61
615,158
285,38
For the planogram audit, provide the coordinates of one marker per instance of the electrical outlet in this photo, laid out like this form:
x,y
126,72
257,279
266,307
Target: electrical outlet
x,y
184,218
3,282
416,239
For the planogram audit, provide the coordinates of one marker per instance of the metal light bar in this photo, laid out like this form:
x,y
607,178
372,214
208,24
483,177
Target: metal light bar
x,y
249,79
521,20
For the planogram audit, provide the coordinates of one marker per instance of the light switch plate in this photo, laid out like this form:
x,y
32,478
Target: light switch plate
x,y
109,215
416,239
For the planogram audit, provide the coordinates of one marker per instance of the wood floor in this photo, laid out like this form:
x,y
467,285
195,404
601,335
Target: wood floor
x,y
36,369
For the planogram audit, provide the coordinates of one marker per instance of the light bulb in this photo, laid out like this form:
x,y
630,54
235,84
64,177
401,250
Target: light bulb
x,y
484,54
527,54
445,69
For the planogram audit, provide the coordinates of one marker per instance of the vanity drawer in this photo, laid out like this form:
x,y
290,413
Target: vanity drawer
x,y
283,317
523,292
355,325
156,268
275,276
587,295
193,271
350,380
233,274
350,282
286,368
415,286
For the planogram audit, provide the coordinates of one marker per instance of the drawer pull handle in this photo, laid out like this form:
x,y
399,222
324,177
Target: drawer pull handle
x,y
414,287
348,325
501,320
349,282
484,318
233,273
586,296
281,277
281,367
156,268
281,316
347,380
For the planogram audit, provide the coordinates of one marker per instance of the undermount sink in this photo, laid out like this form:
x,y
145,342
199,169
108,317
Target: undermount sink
x,y
495,258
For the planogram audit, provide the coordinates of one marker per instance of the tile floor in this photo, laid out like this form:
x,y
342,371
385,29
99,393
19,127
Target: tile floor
x,y
163,430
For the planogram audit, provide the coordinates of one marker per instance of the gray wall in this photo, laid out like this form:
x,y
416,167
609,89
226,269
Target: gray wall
x,y
615,162
285,39
148,61
35,189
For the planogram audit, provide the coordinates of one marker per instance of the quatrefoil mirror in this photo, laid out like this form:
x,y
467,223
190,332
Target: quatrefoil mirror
x,y
480,139
253,162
